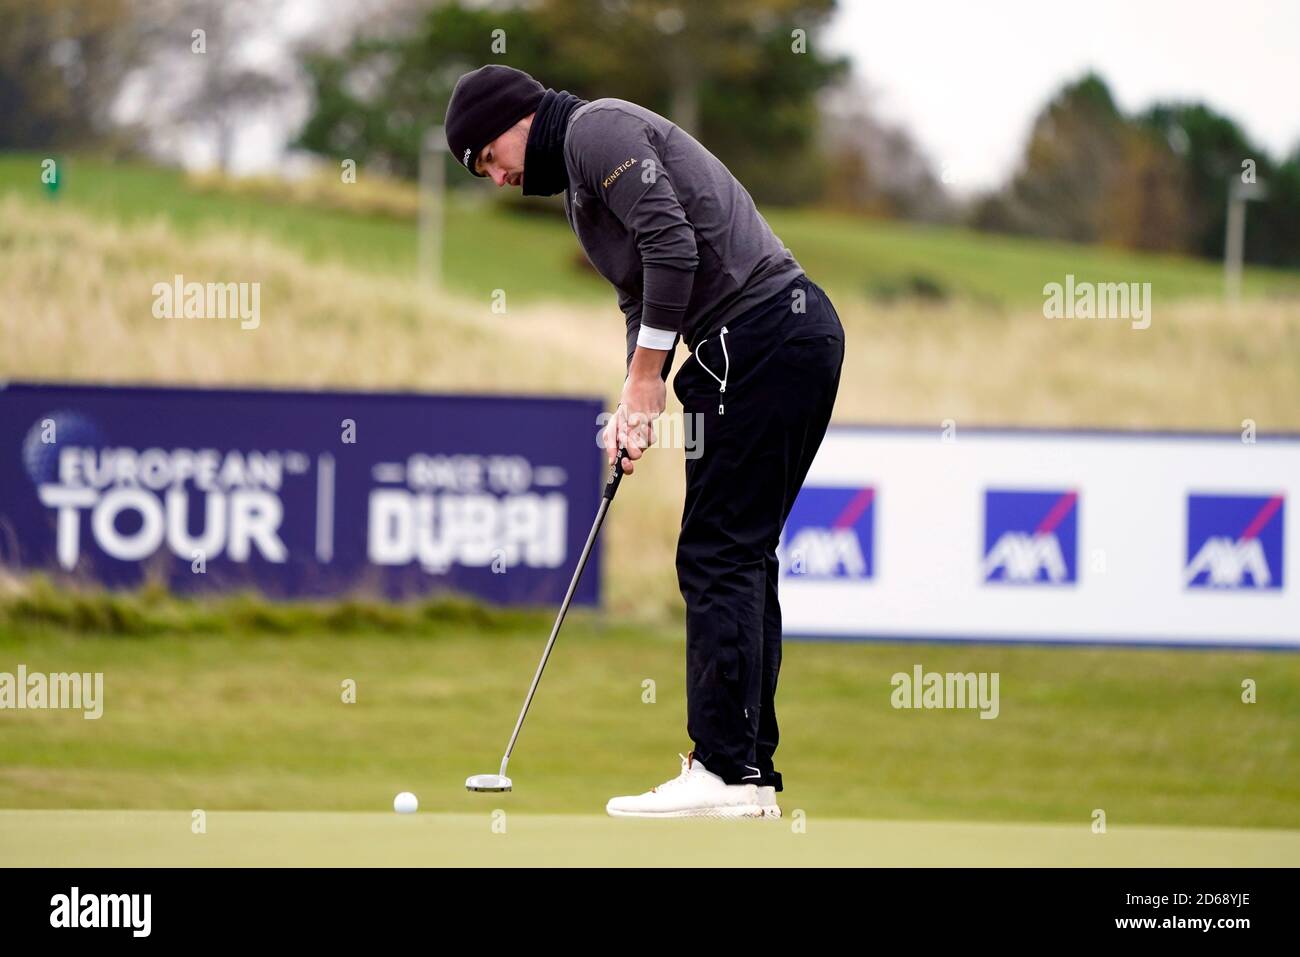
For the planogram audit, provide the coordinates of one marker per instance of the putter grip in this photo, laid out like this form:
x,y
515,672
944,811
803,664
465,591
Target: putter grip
x,y
615,474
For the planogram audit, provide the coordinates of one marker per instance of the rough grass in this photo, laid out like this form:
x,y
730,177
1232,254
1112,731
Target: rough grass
x,y
367,195
35,602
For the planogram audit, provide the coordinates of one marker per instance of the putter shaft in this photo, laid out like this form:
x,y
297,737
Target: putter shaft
x,y
611,486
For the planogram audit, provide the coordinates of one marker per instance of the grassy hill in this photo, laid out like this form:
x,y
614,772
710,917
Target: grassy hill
x,y
535,257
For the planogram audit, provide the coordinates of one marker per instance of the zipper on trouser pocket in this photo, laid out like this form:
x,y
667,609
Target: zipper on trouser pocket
x,y
726,371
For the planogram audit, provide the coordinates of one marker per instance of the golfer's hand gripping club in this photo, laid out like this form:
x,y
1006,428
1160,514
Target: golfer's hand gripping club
x,y
615,474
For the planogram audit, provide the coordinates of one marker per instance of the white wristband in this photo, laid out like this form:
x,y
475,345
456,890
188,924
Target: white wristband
x,y
652,338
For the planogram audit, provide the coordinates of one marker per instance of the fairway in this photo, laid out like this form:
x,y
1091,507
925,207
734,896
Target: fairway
x,y
498,838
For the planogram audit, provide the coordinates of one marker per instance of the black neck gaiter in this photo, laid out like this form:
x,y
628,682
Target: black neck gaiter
x,y
544,172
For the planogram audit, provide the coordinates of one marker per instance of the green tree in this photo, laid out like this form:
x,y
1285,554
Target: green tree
x,y
1274,229
1215,153
374,100
738,75
1075,150
1159,180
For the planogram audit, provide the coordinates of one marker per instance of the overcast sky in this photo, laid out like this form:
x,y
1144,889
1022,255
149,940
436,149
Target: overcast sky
x,y
966,78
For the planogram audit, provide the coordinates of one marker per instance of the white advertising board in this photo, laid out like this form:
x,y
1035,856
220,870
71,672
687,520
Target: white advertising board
x,y
1028,535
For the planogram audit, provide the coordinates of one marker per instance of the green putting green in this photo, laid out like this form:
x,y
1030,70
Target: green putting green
x,y
497,837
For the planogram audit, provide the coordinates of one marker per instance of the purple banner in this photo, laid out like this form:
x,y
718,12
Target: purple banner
x,y
301,494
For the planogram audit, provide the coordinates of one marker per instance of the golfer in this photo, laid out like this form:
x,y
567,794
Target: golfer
x,y
692,260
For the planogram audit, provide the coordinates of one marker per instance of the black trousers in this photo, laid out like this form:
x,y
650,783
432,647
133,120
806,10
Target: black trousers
x,y
782,371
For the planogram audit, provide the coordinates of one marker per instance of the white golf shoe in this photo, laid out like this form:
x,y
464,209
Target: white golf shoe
x,y
696,792
767,801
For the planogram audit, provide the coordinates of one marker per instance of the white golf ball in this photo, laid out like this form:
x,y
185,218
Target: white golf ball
x,y
406,803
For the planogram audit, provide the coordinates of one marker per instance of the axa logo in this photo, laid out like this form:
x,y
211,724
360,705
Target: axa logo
x,y
1234,542
830,534
1031,538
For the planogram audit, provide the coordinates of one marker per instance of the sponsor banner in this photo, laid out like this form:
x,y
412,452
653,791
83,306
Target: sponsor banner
x,y
300,494
1046,535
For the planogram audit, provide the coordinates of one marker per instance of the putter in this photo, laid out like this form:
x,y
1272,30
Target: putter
x,y
499,782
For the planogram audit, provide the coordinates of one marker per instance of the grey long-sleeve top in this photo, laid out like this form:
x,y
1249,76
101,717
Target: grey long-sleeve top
x,y
665,222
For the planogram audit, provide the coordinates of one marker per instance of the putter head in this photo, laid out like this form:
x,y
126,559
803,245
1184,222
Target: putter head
x,y
488,782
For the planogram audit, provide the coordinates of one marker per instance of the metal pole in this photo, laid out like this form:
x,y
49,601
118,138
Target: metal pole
x,y
1234,242
433,185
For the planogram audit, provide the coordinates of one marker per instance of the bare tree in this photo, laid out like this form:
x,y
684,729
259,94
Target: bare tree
x,y
202,69
877,167
61,64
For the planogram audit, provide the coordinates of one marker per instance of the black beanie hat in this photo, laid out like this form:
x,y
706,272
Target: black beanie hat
x,y
485,103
